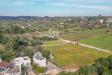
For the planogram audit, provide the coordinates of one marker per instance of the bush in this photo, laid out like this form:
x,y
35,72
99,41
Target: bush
x,y
46,54
38,69
3,39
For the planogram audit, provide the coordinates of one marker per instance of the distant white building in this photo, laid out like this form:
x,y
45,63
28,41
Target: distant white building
x,y
29,25
39,59
53,33
101,21
109,20
25,61
22,27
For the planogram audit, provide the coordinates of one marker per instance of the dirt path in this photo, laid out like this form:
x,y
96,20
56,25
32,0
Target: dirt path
x,y
85,45
52,69
56,44
31,72
71,70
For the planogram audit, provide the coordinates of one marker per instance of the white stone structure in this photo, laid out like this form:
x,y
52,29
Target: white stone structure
x,y
39,59
25,61
101,21
109,20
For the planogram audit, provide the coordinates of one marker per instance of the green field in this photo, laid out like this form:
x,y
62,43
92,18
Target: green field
x,y
100,41
80,35
73,56
97,37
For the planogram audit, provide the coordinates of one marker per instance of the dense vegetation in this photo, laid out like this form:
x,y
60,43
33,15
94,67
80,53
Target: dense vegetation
x,y
13,47
13,43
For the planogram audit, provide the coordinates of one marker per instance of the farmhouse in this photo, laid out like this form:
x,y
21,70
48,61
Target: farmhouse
x,y
25,61
39,59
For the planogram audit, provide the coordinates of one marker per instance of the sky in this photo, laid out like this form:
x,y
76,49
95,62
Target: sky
x,y
55,7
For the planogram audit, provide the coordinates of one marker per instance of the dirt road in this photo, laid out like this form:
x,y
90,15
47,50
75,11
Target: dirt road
x,y
85,45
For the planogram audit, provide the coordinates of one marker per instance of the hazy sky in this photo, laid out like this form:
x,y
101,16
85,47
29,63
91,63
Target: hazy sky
x,y
55,7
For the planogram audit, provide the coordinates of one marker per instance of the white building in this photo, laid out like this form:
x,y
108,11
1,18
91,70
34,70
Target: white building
x,y
25,61
22,27
101,21
39,59
51,56
109,20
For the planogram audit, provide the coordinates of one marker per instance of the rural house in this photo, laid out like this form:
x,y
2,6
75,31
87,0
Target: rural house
x,y
39,59
25,61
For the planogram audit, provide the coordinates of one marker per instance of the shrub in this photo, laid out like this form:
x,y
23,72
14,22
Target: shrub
x,y
38,69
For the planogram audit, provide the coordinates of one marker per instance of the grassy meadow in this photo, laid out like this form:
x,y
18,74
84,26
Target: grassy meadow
x,y
53,42
80,35
72,56
97,37
100,41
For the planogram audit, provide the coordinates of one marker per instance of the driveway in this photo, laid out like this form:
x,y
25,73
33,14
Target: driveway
x,y
52,69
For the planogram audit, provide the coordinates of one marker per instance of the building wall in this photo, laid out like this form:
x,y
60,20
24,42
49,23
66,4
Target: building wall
x,y
4,70
41,63
19,73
